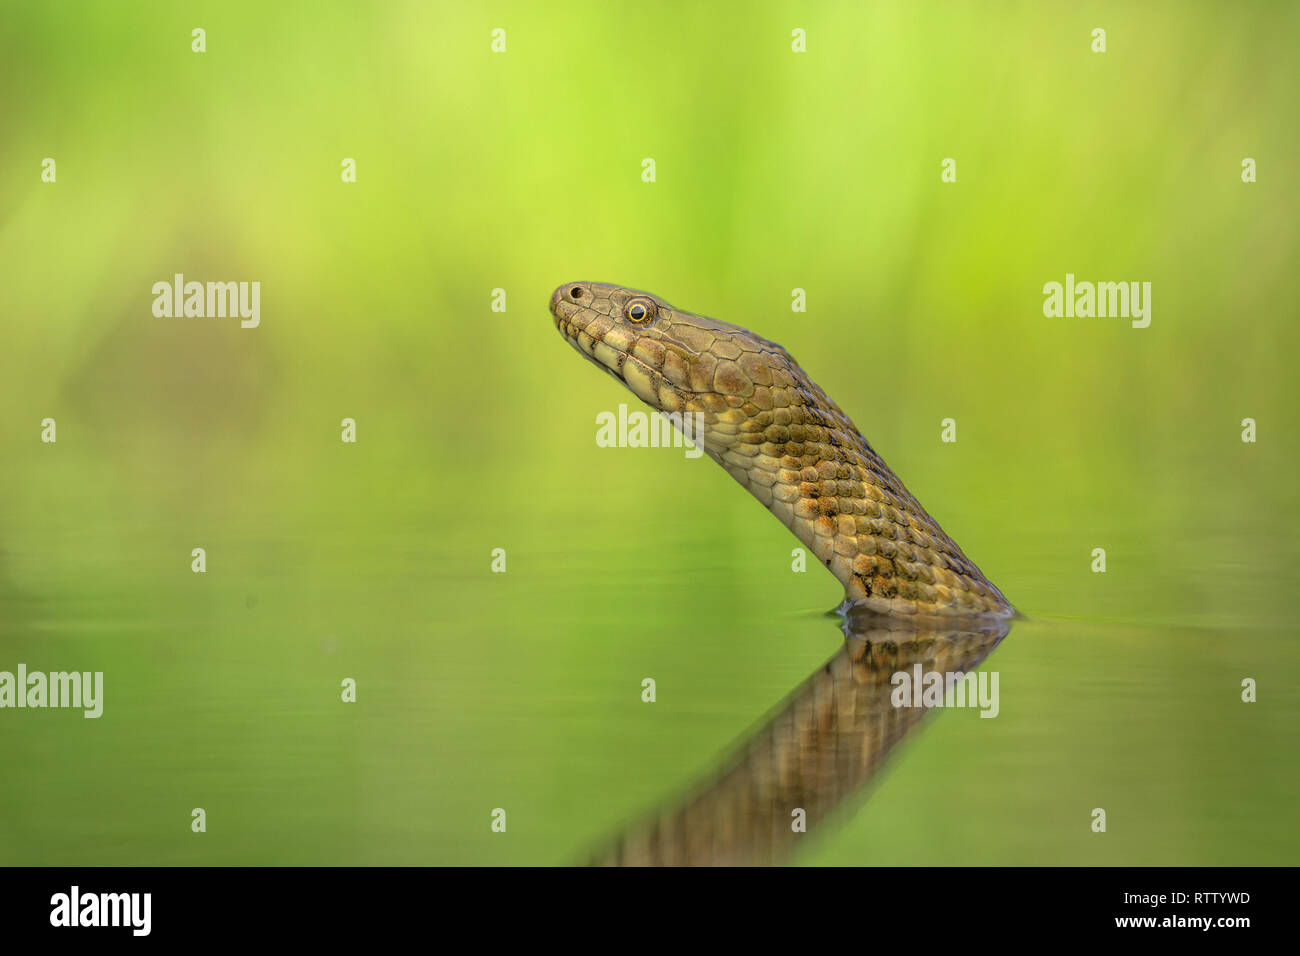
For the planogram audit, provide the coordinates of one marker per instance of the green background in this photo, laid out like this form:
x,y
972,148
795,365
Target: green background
x,y
522,171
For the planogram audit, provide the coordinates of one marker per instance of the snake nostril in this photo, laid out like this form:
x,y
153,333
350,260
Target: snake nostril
x,y
575,292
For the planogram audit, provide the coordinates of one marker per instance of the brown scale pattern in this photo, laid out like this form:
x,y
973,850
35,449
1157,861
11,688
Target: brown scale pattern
x,y
778,434
823,746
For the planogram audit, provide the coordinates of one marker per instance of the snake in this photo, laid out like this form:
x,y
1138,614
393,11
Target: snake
x,y
775,431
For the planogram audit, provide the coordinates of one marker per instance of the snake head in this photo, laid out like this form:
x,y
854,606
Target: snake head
x,y
672,360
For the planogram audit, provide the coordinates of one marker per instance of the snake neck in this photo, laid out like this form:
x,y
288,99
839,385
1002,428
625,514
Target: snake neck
x,y
804,459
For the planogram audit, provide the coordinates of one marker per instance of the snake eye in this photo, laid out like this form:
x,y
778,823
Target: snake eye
x,y
640,310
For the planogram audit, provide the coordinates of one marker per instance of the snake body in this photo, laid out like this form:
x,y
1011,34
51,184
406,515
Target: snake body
x,y
778,434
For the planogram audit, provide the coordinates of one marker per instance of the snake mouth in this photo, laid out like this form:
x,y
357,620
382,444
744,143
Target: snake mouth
x,y
596,350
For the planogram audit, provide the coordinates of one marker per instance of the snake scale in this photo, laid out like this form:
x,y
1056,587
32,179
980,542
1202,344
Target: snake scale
x,y
778,434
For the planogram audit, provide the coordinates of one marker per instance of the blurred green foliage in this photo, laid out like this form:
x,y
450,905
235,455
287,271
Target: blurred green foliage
x,y
521,171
